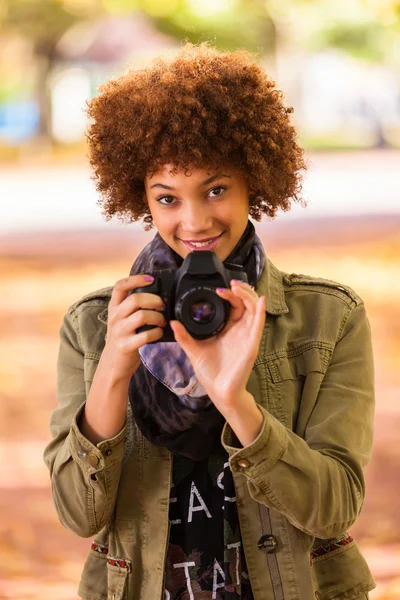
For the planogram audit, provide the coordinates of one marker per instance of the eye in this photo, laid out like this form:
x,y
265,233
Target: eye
x,y
220,187
165,198
170,200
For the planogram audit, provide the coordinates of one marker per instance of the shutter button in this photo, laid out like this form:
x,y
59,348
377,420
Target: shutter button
x,y
94,460
243,463
268,543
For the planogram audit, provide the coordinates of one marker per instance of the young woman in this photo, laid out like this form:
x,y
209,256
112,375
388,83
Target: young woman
x,y
229,467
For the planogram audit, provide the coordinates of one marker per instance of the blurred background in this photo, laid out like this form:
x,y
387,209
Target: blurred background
x,y
338,64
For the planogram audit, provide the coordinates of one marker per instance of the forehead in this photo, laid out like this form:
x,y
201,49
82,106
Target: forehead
x,y
194,174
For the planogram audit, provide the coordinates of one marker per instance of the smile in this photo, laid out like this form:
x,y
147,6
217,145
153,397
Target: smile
x,y
207,245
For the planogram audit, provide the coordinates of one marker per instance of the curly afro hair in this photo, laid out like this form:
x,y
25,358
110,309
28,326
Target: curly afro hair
x,y
203,108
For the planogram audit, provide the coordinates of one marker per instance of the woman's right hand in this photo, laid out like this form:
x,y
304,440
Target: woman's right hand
x,y
126,313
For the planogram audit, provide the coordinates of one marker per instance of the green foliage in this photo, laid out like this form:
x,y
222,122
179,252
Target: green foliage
x,y
230,24
37,20
249,25
12,88
229,32
364,41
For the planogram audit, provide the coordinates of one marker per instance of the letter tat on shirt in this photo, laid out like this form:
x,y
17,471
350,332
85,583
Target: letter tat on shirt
x,y
237,546
221,485
186,566
216,586
192,509
220,476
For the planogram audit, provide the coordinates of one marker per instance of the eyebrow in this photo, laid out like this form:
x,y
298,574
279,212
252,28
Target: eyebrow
x,y
167,187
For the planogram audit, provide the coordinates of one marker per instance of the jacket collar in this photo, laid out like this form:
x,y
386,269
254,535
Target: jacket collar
x,y
270,285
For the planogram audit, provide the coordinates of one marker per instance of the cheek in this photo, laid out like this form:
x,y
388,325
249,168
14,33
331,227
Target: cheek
x,y
239,214
165,225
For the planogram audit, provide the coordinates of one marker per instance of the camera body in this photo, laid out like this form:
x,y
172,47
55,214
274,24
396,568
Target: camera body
x,y
189,294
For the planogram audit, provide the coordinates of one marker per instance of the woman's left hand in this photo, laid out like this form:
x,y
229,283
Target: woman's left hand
x,y
223,363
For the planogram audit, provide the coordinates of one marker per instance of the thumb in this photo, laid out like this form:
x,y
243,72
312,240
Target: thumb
x,y
183,338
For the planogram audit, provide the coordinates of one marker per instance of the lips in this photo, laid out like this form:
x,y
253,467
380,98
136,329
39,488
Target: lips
x,y
211,246
203,240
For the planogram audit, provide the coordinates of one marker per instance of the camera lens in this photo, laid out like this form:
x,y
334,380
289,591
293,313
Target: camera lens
x,y
202,311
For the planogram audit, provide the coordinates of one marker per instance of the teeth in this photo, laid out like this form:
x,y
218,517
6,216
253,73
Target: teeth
x,y
201,244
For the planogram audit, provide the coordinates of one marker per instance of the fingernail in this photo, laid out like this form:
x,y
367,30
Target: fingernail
x,y
221,289
148,278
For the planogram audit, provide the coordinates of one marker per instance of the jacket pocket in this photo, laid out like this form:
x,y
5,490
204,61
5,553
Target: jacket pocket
x,y
104,577
117,570
341,572
93,584
294,380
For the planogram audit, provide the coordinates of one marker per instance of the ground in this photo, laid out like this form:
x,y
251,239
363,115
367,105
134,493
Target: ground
x,y
41,276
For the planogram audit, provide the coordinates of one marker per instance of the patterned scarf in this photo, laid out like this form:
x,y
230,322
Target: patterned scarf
x,y
169,404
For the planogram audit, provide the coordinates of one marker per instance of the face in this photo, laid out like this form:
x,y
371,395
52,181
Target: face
x,y
203,210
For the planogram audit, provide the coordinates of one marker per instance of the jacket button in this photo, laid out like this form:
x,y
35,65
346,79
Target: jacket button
x,y
108,452
318,596
243,463
268,543
94,460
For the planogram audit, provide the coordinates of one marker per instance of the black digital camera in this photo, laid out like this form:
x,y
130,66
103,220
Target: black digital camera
x,y
189,294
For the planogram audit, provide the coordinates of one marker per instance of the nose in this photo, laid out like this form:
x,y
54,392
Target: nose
x,y
196,219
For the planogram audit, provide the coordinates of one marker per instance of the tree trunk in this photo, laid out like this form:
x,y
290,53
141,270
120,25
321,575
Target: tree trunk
x,y
44,52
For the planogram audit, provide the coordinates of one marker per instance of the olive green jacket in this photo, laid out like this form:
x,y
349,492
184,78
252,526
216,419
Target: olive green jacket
x,y
299,485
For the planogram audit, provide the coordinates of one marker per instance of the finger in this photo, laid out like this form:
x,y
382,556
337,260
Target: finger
x,y
137,301
237,306
122,287
184,339
248,296
143,317
235,284
260,316
257,326
146,337
243,284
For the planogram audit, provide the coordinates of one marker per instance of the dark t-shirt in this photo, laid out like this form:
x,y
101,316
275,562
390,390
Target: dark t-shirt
x,y
205,559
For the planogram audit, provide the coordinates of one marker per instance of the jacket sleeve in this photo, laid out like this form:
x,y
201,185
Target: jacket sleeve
x,y
317,482
84,476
